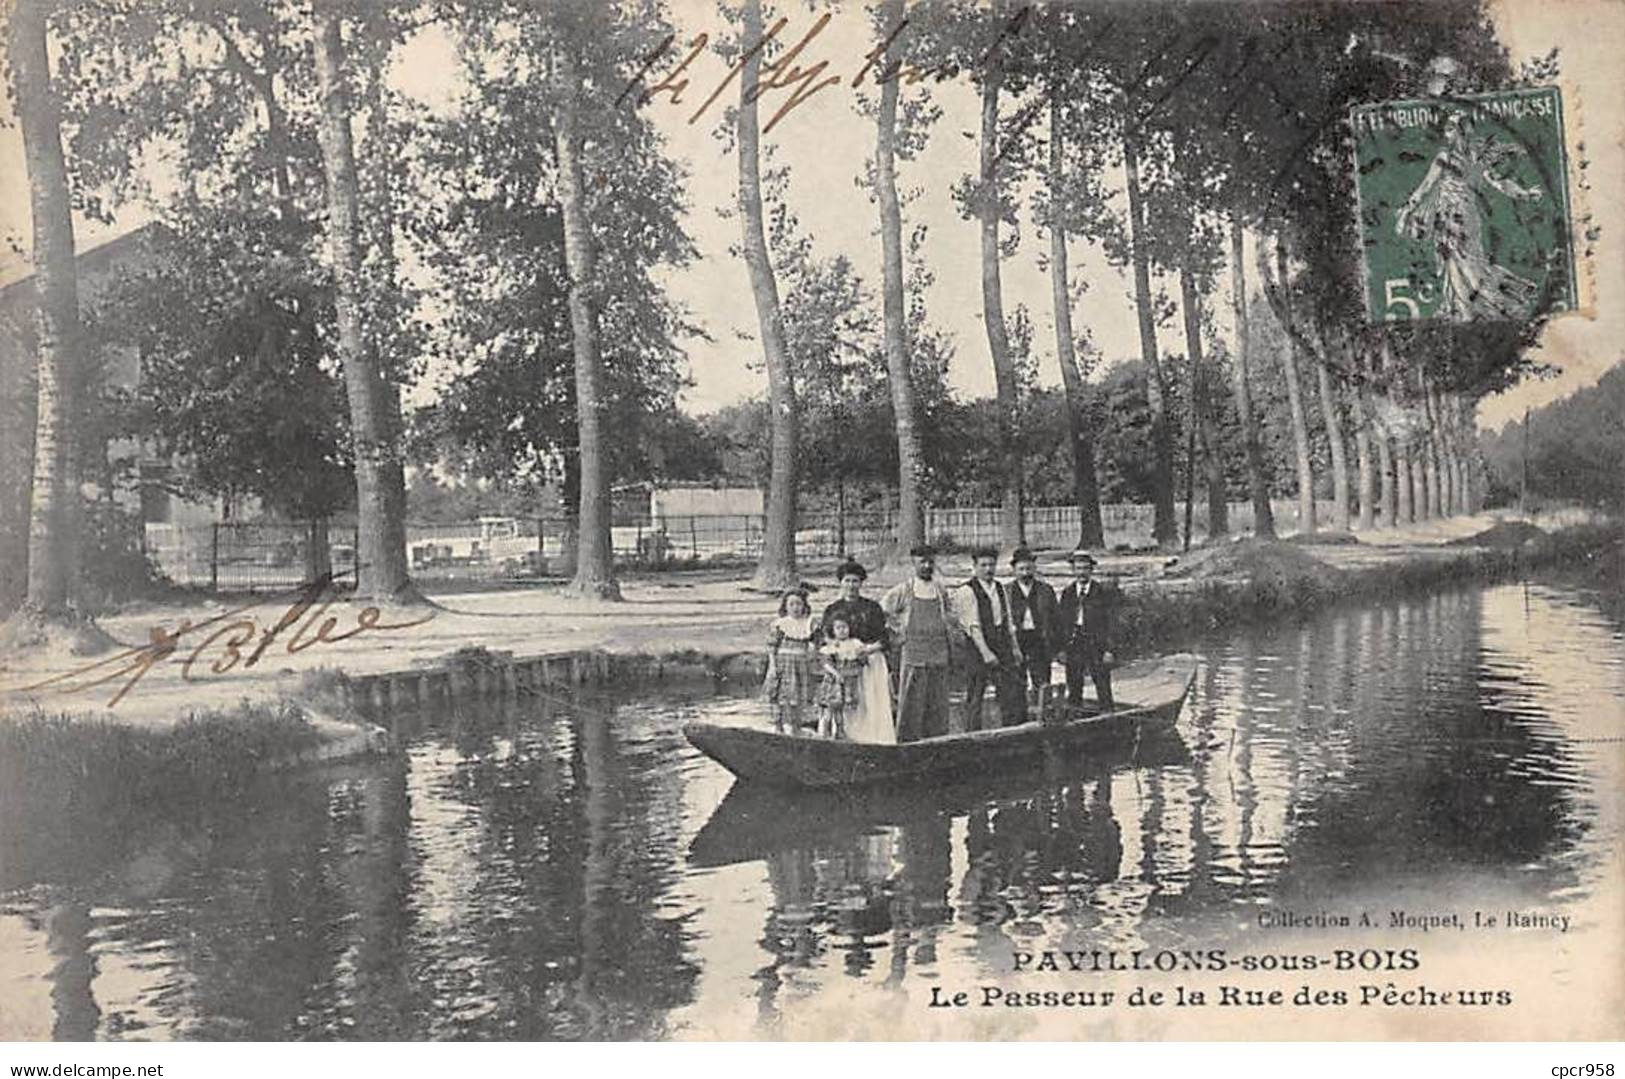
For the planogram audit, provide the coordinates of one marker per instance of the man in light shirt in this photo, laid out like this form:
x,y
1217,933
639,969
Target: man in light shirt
x,y
993,632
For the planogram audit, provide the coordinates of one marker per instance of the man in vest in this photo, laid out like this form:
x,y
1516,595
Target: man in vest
x,y
994,634
925,617
1083,626
1032,609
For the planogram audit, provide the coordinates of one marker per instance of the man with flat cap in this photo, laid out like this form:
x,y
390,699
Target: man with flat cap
x,y
993,632
1032,609
1083,620
927,620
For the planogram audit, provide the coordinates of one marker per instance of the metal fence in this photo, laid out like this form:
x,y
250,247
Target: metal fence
x,y
1124,523
245,556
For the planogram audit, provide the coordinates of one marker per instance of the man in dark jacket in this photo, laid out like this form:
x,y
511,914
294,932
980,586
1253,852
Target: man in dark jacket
x,y
1001,658
1033,611
1083,628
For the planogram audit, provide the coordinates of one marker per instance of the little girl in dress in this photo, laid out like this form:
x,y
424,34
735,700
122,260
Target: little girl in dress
x,y
844,659
790,686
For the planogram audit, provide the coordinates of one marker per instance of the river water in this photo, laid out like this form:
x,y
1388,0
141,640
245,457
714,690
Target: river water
x,y
572,868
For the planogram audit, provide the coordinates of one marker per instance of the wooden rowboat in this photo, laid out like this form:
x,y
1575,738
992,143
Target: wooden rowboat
x,y
750,823
1149,696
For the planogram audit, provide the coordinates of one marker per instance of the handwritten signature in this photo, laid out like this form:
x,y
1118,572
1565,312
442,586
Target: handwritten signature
x,y
787,73
236,637
1147,92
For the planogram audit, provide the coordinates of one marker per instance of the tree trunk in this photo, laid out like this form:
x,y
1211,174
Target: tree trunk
x,y
1339,448
1257,485
1404,481
1461,415
1085,485
1387,489
386,296
1190,466
1164,529
899,372
1365,428
1011,525
1473,467
54,504
1447,476
1218,507
318,550
381,567
1294,395
1428,504
595,565
1442,452
1430,469
1362,453
570,504
1433,457
777,567
1447,454
1387,459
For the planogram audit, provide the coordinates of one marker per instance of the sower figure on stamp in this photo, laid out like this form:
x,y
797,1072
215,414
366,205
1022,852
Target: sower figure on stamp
x,y
994,635
1032,609
927,622
1083,626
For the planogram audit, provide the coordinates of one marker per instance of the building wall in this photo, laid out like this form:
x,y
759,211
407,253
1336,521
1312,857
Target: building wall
x,y
17,415
120,367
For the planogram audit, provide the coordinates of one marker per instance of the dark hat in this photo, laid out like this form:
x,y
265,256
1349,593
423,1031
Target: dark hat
x,y
922,550
851,568
1081,555
1022,554
984,552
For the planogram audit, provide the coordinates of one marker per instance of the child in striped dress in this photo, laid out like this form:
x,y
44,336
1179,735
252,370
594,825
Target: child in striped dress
x,y
792,680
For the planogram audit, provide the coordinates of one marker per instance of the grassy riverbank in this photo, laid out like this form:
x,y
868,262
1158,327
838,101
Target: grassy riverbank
x,y
1252,582
67,782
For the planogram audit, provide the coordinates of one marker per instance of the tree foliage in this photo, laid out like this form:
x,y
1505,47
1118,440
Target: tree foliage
x,y
486,224
238,377
1575,449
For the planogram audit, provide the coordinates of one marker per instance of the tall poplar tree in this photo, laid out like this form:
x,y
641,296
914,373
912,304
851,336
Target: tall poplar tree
x,y
777,567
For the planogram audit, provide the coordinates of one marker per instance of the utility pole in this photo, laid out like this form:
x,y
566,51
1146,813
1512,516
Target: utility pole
x,y
1523,486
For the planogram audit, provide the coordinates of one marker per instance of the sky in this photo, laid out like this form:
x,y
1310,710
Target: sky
x,y
826,144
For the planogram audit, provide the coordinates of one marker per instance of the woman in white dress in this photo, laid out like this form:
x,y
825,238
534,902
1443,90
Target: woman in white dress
x,y
869,719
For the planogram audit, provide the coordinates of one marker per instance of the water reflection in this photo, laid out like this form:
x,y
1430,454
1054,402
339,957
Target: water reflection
x,y
573,869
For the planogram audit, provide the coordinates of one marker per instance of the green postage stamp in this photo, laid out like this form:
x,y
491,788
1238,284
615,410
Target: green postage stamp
x,y
1464,207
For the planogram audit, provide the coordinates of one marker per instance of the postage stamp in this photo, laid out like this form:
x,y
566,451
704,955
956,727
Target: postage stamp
x,y
1464,207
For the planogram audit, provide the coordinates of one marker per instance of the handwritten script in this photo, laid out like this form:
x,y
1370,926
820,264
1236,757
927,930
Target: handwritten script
x,y
1150,79
233,640
788,72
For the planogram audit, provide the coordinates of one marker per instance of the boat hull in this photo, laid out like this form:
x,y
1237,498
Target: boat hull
x,y
1151,695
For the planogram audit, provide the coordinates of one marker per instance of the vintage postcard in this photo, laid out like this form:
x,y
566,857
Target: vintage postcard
x,y
669,520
